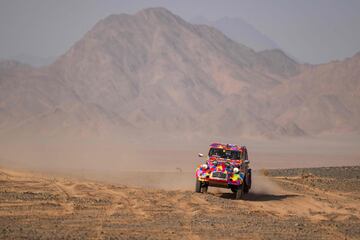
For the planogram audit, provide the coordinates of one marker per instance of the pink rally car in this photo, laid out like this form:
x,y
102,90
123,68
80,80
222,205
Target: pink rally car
x,y
227,166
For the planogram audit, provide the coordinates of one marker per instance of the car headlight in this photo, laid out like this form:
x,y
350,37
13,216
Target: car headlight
x,y
236,170
204,175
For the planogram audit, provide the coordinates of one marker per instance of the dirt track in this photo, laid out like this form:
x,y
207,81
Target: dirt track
x,y
291,204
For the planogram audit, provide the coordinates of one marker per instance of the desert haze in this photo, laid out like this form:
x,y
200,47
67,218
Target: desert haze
x,y
111,130
151,81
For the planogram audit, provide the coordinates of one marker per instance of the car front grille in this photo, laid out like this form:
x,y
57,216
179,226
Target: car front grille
x,y
219,175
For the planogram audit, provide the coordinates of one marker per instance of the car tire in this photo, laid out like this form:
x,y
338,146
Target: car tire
x,y
239,194
247,179
204,189
246,188
198,186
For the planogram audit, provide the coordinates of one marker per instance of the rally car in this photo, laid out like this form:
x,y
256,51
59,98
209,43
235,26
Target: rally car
x,y
227,166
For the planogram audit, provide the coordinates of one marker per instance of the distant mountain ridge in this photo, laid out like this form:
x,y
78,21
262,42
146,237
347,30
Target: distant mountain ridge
x,y
240,31
34,61
153,71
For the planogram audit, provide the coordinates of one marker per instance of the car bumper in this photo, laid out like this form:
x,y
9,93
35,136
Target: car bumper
x,y
223,183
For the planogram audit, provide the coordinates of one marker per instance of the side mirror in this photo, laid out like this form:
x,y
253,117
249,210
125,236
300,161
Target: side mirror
x,y
247,161
200,154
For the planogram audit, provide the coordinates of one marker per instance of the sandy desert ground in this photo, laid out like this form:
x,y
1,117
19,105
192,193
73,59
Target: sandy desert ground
x,y
313,203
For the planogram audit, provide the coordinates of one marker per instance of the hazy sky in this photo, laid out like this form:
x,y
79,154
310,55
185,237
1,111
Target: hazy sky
x,y
312,31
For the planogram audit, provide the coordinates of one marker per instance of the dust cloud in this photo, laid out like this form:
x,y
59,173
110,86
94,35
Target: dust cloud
x,y
264,185
164,161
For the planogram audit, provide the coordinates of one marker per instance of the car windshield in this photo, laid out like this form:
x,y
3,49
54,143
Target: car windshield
x,y
230,154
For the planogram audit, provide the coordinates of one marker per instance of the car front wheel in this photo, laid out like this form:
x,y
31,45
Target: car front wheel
x,y
198,186
239,194
204,189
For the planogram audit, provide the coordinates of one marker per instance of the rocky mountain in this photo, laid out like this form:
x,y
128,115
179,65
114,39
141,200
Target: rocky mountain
x,y
322,98
153,71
